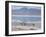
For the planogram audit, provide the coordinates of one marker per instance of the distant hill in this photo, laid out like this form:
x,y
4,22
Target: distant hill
x,y
25,11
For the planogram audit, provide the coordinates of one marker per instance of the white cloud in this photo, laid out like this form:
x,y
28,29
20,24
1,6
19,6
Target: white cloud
x,y
34,7
19,7
15,7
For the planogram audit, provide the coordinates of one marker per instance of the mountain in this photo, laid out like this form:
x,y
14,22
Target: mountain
x,y
26,11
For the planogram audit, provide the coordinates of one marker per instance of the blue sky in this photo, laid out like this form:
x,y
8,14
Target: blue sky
x,y
24,10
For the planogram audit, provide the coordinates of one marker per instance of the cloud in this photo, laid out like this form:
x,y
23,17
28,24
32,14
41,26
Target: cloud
x,y
16,7
33,7
28,7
